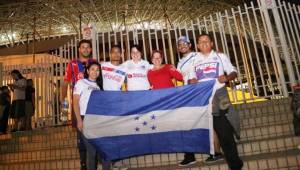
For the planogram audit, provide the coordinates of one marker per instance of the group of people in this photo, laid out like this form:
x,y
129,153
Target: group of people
x,y
85,74
21,108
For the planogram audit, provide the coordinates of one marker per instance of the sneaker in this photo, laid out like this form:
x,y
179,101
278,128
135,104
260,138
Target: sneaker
x,y
83,166
214,158
187,162
119,166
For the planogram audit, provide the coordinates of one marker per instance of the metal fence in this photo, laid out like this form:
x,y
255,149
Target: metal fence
x,y
262,42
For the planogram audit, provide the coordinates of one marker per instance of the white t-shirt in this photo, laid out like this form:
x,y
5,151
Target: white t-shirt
x,y
113,76
211,66
185,64
84,87
19,92
137,75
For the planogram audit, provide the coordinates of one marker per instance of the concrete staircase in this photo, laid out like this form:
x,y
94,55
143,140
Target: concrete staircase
x,y
267,142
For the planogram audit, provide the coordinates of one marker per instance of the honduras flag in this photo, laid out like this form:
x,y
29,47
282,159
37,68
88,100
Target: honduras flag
x,y
125,124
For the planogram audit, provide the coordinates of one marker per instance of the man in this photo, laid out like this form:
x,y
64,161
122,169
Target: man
x,y
113,74
184,65
212,65
74,72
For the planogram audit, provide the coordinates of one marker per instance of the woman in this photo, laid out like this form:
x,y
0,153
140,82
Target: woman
x,y
137,70
81,94
18,103
161,75
30,102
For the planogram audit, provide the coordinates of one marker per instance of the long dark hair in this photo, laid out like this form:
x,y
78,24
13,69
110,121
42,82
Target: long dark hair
x,y
138,47
18,73
99,80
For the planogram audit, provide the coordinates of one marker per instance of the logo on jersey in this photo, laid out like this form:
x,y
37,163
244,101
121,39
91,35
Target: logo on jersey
x,y
113,70
93,88
207,70
112,77
136,75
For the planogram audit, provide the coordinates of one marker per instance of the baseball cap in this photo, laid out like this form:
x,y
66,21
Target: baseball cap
x,y
183,39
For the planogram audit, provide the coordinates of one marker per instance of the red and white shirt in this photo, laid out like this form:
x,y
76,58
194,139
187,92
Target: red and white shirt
x,y
113,76
137,75
75,71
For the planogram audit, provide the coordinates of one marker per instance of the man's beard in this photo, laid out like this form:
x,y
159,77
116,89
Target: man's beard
x,y
86,55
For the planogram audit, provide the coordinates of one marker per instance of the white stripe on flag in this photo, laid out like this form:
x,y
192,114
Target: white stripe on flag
x,y
185,118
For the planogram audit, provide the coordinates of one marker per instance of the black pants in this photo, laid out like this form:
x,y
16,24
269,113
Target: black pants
x,y
82,148
224,132
4,119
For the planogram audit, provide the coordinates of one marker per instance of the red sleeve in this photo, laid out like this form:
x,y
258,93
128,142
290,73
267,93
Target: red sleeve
x,y
149,77
174,73
68,73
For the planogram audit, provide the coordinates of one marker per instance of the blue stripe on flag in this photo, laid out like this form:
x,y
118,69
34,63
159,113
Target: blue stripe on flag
x,y
119,147
114,103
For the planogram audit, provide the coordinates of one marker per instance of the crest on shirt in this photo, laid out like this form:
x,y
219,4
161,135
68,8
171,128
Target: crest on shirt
x,y
207,70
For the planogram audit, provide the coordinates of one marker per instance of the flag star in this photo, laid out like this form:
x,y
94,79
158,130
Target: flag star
x,y
137,118
153,127
145,123
137,129
153,117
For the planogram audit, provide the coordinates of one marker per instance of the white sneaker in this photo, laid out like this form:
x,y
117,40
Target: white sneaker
x,y
119,166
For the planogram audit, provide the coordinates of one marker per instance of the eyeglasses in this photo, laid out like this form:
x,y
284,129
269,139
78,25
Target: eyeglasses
x,y
182,44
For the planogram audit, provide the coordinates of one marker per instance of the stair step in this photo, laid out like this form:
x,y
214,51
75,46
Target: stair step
x,y
53,134
67,140
264,120
271,107
289,160
267,131
245,148
40,155
28,137
61,164
273,145
259,110
13,147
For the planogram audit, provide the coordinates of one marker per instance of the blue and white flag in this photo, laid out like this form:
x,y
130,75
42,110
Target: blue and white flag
x,y
125,124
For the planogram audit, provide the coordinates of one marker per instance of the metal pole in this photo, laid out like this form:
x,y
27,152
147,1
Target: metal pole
x,y
269,25
80,28
1,76
34,32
